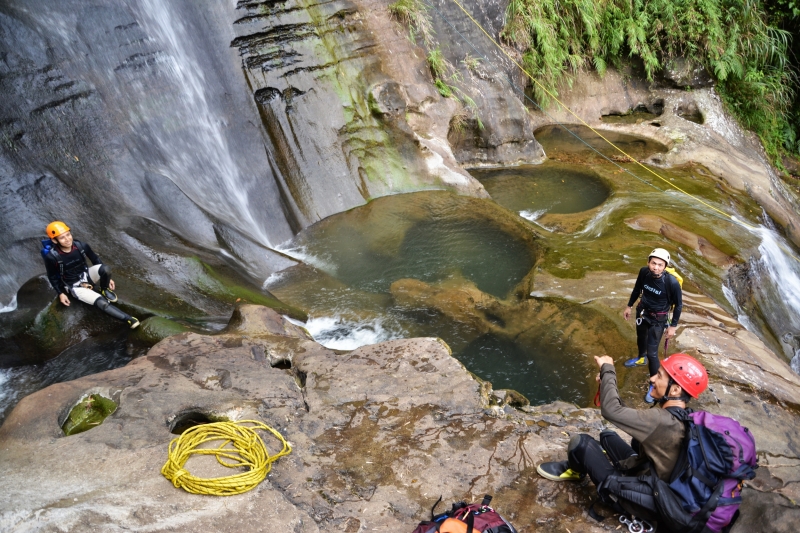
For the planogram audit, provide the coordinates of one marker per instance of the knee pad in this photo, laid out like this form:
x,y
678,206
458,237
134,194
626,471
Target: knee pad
x,y
577,442
104,270
102,303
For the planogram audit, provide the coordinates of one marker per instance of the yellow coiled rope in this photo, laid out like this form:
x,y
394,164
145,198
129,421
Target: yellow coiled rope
x,y
248,452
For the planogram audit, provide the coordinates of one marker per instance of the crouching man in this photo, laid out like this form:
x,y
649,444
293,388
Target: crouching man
x,y
65,261
657,435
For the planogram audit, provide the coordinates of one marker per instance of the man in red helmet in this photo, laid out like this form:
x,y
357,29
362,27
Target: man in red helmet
x,y
658,292
65,261
657,433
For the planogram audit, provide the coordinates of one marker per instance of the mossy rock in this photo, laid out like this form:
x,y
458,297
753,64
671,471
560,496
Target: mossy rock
x,y
89,412
156,328
223,288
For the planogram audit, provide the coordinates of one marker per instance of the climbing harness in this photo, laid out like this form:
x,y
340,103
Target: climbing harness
x,y
635,525
655,316
248,452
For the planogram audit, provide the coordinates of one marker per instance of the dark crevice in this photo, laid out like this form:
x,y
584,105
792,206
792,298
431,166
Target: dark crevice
x,y
57,103
123,27
281,34
137,61
189,420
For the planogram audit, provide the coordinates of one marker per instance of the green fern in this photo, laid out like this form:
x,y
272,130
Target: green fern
x,y
730,38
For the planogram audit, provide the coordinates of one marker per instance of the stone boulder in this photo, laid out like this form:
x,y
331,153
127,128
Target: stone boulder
x,y
378,434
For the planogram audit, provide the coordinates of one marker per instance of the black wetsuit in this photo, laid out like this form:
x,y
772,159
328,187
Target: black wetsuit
x,y
658,295
72,267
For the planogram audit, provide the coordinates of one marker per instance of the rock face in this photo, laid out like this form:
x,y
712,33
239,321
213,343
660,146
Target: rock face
x,y
695,127
378,434
231,126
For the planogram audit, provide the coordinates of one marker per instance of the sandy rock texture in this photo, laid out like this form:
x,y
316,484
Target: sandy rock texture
x,y
378,434
695,127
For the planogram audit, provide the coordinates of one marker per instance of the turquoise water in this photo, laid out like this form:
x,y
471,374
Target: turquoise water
x,y
451,243
551,188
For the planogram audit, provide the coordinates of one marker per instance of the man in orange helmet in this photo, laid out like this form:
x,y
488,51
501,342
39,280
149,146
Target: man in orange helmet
x,y
65,261
657,433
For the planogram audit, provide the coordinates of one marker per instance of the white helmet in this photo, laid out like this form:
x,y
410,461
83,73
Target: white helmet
x,y
661,254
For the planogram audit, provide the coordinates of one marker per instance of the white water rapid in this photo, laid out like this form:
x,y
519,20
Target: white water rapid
x,y
782,268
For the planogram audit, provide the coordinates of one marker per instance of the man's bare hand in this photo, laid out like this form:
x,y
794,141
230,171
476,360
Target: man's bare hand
x,y
626,314
111,284
602,360
671,331
63,299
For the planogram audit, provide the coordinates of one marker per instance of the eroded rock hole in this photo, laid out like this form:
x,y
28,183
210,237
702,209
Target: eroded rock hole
x,y
88,413
690,112
283,364
300,377
189,420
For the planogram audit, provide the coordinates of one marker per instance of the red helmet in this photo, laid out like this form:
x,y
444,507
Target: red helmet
x,y
687,372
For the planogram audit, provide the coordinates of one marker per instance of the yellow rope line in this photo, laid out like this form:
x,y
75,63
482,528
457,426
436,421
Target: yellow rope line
x,y
620,150
248,452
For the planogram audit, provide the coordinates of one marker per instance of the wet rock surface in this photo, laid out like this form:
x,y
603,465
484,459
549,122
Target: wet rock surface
x,y
692,124
378,434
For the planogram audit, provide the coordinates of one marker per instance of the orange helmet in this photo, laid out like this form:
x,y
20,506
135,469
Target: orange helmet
x,y
54,229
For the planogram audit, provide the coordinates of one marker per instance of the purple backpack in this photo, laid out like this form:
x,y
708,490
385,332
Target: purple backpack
x,y
478,518
717,456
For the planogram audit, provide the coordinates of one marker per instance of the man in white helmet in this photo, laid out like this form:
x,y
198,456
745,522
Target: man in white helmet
x,y
658,292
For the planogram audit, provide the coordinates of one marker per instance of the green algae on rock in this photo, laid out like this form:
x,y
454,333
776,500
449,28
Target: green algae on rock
x,y
89,412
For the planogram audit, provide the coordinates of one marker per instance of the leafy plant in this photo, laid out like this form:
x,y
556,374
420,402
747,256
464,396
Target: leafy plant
x,y
731,39
445,77
414,13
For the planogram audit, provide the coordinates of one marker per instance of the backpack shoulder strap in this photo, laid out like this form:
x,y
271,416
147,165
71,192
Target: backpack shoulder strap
x,y
670,282
81,249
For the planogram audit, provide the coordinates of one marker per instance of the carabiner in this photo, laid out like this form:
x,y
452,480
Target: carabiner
x,y
636,526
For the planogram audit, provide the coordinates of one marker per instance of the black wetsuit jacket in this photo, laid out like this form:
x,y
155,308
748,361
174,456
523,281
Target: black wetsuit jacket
x,y
658,294
74,266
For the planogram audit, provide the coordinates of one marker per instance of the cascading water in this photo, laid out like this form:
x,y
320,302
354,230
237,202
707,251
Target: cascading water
x,y
778,289
197,157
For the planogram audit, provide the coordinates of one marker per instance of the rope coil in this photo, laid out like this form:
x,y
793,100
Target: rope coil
x,y
249,452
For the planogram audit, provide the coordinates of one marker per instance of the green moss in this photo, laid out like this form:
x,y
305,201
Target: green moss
x,y
217,285
156,328
88,413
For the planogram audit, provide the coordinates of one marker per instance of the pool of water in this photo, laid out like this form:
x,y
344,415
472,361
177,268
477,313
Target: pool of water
x,y
546,188
572,140
454,244
431,237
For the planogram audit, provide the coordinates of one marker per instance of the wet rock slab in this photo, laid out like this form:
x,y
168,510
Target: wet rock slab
x,y
378,434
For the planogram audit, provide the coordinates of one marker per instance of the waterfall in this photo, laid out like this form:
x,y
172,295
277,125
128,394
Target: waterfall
x,y
778,289
190,136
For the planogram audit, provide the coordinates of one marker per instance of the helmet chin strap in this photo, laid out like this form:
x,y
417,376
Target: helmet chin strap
x,y
665,399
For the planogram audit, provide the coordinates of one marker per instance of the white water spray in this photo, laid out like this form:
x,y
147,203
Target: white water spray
x,y
198,160
338,333
778,291
12,306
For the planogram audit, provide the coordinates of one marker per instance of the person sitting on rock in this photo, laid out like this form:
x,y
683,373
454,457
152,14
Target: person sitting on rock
x,y
69,274
659,292
657,433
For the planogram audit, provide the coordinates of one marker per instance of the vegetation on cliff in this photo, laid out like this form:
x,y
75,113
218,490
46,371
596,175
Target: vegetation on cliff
x,y
741,43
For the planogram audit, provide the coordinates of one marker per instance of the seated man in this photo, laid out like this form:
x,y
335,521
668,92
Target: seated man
x,y
69,275
657,433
